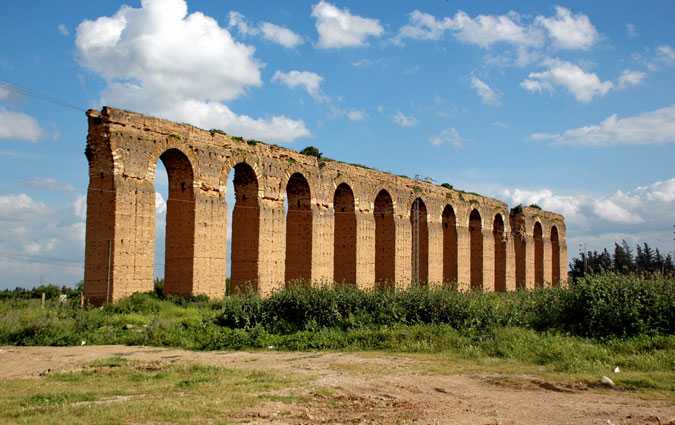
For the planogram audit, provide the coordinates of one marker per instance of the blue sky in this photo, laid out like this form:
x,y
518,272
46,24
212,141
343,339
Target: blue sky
x,y
570,105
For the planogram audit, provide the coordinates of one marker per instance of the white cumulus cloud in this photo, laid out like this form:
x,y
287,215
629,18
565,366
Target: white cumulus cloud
x,y
448,136
19,126
63,30
5,92
423,26
487,94
486,30
217,115
568,30
655,127
49,183
80,207
269,31
338,28
403,120
630,78
568,205
238,21
613,211
159,59
280,35
582,84
160,204
564,30
355,115
309,81
39,247
666,53
663,191
16,207
40,242
483,30
643,214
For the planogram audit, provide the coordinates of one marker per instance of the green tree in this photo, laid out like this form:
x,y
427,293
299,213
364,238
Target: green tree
x,y
311,151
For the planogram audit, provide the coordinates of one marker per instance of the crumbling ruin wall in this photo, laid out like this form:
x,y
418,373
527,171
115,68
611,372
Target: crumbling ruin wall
x,y
276,244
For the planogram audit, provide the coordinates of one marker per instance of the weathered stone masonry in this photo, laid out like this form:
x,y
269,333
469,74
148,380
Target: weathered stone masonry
x,y
344,223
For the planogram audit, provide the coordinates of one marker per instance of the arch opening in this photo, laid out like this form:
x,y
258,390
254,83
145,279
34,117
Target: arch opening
x,y
555,256
420,243
344,242
519,248
538,256
476,241
385,240
449,222
298,264
180,223
245,230
500,253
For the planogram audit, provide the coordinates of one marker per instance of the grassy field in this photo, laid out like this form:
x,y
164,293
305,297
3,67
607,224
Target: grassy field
x,y
114,390
264,387
583,332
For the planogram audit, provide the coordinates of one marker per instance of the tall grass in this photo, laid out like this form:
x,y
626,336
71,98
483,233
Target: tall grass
x,y
596,306
604,308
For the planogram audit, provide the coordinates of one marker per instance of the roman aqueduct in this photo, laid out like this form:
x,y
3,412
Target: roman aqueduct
x,y
295,217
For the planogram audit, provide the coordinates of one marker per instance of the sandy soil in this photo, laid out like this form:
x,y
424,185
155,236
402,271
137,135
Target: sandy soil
x,y
376,388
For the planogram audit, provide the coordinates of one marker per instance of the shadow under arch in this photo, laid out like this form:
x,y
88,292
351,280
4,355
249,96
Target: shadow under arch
x,y
385,240
499,254
180,223
476,242
344,240
245,229
538,255
298,263
555,256
449,222
420,243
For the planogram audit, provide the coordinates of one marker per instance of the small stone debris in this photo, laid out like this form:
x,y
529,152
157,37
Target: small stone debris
x,y
617,370
606,381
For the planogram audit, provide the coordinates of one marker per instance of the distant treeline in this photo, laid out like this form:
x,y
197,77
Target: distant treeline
x,y
644,261
51,291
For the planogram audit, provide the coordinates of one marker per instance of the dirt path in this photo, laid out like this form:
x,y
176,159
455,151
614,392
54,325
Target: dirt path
x,y
379,388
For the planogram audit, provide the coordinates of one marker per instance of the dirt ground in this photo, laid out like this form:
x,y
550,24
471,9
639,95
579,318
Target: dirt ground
x,y
380,388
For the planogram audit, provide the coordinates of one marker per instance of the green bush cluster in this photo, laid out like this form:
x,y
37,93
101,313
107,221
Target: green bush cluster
x,y
604,308
595,306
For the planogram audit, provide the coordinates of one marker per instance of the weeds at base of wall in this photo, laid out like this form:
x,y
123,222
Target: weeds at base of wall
x,y
600,307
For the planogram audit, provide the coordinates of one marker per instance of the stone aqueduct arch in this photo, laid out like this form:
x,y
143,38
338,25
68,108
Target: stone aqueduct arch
x,y
345,223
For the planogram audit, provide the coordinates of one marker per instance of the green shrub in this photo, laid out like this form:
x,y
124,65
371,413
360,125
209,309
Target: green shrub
x,y
602,309
596,306
311,151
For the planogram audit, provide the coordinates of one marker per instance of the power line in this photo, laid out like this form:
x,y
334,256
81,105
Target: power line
x,y
40,96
